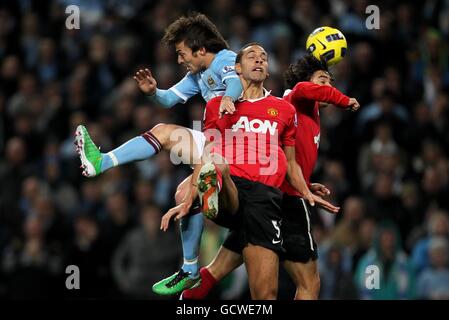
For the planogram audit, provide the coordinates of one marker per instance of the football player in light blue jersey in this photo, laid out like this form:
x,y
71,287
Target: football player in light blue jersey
x,y
218,79
204,52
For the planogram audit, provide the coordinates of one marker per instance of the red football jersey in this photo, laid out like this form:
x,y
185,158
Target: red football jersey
x,y
305,97
252,138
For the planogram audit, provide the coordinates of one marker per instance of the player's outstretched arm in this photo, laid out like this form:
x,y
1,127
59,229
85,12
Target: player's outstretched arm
x,y
326,94
167,98
146,82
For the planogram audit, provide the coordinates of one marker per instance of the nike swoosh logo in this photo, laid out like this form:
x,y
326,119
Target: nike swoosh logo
x,y
276,241
324,47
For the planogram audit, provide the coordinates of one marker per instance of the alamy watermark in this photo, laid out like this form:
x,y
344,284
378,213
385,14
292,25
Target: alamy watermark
x,y
372,277
373,20
73,20
73,280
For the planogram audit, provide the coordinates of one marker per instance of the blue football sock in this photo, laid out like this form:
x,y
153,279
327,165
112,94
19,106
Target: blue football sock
x,y
136,149
191,231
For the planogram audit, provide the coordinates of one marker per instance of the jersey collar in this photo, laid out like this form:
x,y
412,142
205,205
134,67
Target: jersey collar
x,y
266,93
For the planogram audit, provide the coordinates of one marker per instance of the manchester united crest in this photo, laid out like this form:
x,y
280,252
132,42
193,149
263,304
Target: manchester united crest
x,y
273,112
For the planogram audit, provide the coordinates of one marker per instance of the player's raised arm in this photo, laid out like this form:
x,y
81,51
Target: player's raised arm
x,y
320,93
309,79
179,93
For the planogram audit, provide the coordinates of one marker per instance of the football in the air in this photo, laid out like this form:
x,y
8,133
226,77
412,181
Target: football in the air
x,y
327,44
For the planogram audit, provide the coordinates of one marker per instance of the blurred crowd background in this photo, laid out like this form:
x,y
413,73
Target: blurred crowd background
x,y
386,165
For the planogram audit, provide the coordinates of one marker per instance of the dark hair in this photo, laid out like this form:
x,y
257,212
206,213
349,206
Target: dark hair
x,y
238,58
197,31
302,70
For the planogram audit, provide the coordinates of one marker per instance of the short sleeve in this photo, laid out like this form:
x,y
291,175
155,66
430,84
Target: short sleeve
x,y
225,66
186,88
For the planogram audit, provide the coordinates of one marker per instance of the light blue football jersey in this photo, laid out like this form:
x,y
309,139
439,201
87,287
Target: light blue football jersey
x,y
210,82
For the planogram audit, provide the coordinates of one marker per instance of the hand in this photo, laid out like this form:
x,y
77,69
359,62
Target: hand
x,y
314,199
177,212
308,196
226,106
146,82
353,104
326,205
319,189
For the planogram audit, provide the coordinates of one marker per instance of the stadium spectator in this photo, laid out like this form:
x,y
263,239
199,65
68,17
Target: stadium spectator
x,y
145,255
432,283
395,275
437,226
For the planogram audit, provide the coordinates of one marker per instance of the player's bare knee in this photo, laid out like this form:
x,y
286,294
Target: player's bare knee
x,y
160,131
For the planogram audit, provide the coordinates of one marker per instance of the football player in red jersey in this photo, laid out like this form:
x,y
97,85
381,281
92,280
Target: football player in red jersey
x,y
310,88
250,182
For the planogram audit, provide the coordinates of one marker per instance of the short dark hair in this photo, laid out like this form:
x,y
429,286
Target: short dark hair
x,y
197,31
238,58
302,70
